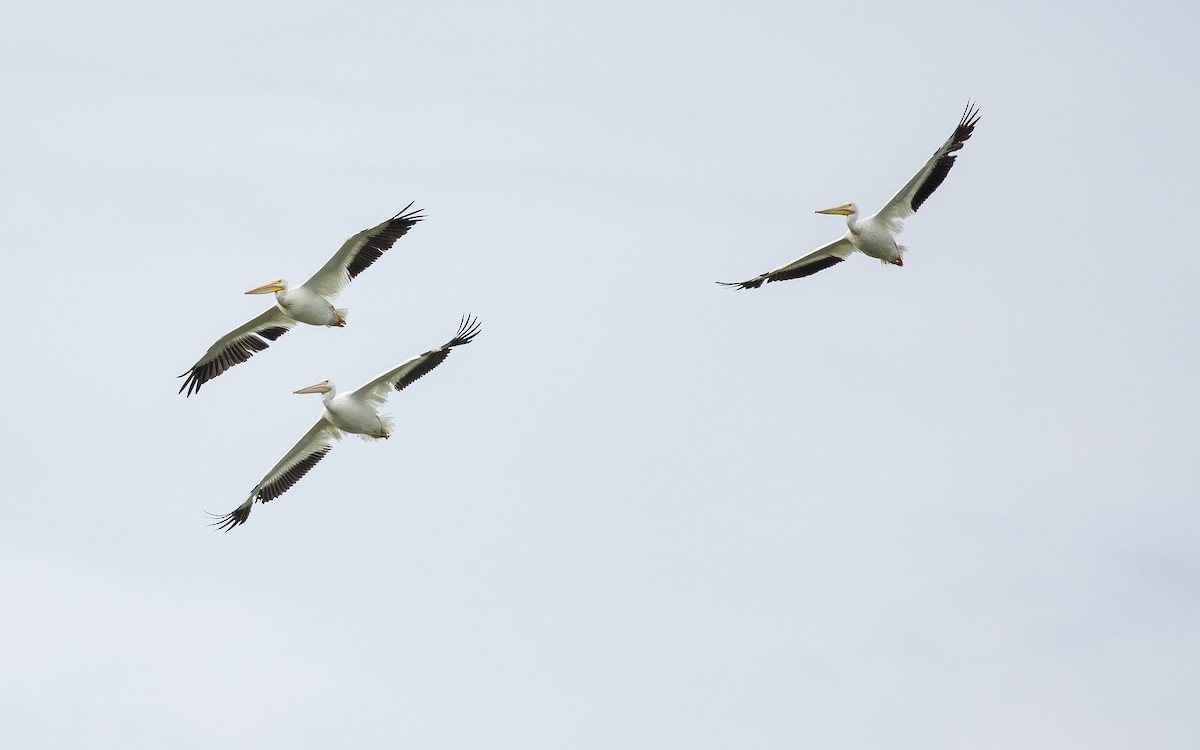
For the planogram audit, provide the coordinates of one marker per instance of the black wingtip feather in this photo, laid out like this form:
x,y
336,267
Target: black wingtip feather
x,y
414,216
962,133
379,243
233,519
235,353
754,283
282,484
468,329
796,273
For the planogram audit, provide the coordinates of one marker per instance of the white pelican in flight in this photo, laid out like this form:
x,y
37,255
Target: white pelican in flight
x,y
875,235
308,303
349,412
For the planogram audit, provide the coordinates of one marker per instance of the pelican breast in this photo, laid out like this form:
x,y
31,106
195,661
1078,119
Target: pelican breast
x,y
354,415
307,307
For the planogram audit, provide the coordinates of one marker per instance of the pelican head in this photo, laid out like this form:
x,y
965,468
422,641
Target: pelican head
x,y
325,386
278,285
846,209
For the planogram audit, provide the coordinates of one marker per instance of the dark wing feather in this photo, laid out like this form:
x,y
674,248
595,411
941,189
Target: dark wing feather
x,y
305,454
360,251
382,240
413,368
291,475
946,156
236,347
468,329
909,198
818,260
233,518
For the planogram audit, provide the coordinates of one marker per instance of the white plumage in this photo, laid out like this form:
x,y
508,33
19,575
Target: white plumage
x,y
310,303
876,235
354,412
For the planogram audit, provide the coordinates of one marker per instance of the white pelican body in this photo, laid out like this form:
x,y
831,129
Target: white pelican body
x,y
310,303
306,306
355,412
350,413
872,237
876,235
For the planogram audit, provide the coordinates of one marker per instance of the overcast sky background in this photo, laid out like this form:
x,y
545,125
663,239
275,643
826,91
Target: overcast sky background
x,y
950,505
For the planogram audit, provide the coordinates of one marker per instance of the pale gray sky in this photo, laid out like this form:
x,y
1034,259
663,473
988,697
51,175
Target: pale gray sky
x,y
950,505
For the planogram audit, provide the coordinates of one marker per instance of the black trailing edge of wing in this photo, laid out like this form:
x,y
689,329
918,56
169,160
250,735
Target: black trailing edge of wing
x,y
796,273
468,329
282,484
379,243
235,353
966,126
284,481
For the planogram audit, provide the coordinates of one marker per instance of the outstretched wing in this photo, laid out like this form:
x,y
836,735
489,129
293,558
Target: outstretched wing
x,y
404,375
360,251
818,260
304,455
236,347
906,202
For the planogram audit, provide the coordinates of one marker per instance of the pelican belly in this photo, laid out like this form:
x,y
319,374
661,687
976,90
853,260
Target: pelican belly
x,y
352,415
873,239
306,307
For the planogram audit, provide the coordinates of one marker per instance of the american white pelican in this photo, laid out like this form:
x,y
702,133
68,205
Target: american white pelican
x,y
349,412
308,303
875,235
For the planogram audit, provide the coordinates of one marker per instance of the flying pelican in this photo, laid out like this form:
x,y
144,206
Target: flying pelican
x,y
875,235
308,303
349,412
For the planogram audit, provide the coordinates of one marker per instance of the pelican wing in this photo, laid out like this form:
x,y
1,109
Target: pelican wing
x,y
409,371
236,347
304,455
360,251
818,260
906,202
